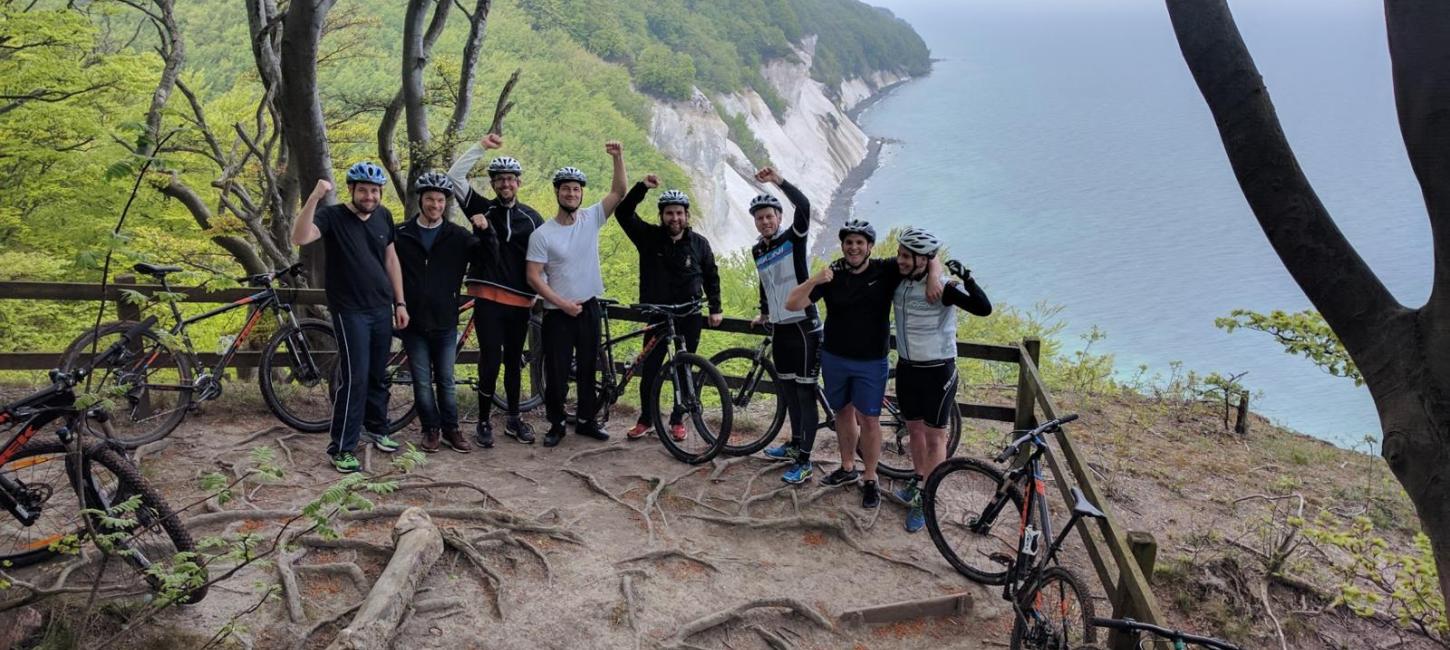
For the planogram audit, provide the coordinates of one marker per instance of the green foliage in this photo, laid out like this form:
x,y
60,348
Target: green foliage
x,y
1303,333
1375,580
740,133
664,73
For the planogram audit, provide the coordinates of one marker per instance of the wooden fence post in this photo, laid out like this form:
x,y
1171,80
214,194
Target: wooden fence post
x,y
1241,425
1026,388
1145,551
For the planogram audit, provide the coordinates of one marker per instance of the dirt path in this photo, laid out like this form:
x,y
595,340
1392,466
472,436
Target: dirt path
x,y
689,541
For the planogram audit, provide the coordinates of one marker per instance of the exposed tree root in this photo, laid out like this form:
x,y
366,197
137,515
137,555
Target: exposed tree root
x,y
717,619
454,540
809,522
669,553
349,569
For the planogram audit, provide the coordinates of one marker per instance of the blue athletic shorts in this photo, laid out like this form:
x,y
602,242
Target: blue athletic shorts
x,y
852,381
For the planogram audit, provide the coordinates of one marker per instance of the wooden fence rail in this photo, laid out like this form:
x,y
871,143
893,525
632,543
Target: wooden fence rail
x,y
1122,560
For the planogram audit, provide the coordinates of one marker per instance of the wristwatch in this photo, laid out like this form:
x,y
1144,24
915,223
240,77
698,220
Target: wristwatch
x,y
399,304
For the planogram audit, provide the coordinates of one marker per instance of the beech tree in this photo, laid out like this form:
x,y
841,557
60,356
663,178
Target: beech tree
x,y
1402,352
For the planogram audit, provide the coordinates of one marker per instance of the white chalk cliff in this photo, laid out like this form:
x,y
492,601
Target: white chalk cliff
x,y
814,145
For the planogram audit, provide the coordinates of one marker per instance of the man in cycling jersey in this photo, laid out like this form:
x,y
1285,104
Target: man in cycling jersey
x,y
926,349
364,284
781,260
676,266
434,254
564,268
498,278
857,291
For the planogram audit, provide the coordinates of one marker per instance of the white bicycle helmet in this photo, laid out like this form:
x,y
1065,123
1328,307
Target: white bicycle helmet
x,y
919,241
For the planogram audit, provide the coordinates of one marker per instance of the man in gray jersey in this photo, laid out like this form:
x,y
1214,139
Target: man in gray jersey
x,y
926,350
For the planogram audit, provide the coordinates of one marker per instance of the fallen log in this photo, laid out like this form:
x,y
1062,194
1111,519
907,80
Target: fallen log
x,y
418,544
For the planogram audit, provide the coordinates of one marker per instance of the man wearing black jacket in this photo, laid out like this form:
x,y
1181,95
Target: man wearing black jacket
x,y
497,278
434,254
676,265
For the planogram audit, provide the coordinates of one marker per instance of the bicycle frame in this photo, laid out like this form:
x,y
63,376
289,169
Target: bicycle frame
x,y
51,404
266,299
615,388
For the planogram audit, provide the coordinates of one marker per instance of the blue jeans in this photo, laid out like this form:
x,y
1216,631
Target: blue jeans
x,y
361,400
431,356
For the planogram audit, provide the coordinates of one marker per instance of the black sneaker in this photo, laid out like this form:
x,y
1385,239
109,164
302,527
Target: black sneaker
x,y
519,430
841,476
483,434
591,430
870,496
555,434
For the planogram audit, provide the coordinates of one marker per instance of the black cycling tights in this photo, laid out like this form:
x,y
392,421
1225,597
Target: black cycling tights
x,y
501,331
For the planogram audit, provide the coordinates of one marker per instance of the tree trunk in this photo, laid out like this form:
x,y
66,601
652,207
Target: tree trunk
x,y
1400,351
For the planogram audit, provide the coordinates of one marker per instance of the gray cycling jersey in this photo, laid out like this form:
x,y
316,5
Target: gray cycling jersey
x,y
924,332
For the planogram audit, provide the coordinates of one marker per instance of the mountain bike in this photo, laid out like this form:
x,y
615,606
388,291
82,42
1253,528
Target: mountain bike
x,y
160,382
1180,640
688,386
759,418
966,499
112,506
531,378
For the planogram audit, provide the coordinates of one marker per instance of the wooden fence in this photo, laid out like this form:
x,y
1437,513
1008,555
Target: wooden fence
x,y
1122,560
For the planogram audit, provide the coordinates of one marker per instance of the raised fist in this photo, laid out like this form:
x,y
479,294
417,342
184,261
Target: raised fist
x,y
323,187
614,148
479,221
651,181
491,141
768,175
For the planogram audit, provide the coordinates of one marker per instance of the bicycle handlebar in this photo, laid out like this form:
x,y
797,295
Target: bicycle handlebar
x,y
268,277
681,309
1050,425
1130,625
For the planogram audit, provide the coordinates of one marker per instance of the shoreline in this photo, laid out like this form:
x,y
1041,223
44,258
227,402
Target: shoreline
x,y
843,199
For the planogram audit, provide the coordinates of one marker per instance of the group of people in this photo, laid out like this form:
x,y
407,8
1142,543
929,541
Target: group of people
x,y
380,278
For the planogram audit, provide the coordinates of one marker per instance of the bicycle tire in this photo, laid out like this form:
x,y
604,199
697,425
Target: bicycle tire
x,y
969,552
1067,629
714,432
531,387
155,357
747,436
895,452
399,378
277,363
65,468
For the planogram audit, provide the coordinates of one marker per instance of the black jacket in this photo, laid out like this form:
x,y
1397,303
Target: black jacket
x,y
432,277
500,261
670,272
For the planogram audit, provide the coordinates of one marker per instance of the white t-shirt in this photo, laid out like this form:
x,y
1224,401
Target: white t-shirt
x,y
570,255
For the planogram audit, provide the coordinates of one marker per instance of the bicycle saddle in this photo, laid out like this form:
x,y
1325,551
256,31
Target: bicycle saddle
x,y
1084,507
154,270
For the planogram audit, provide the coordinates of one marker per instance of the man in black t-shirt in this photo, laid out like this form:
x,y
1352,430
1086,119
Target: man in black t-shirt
x,y
858,292
364,284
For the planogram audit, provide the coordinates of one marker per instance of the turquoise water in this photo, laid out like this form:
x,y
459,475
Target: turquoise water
x,y
1064,152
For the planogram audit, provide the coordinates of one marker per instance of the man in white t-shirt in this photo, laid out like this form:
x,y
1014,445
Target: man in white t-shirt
x,y
563,266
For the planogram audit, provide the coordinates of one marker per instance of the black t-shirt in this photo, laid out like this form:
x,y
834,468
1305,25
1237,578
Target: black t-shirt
x,y
858,309
357,278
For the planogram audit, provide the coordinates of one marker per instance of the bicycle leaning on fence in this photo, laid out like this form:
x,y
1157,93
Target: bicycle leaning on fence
x,y
759,417
967,505
165,378
113,506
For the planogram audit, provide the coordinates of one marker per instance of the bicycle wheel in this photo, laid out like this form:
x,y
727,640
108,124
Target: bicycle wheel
x,y
895,444
298,373
145,541
757,416
150,386
1056,613
691,389
973,518
531,373
399,380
